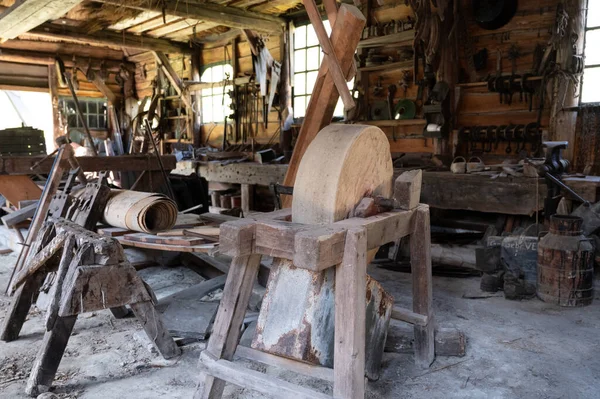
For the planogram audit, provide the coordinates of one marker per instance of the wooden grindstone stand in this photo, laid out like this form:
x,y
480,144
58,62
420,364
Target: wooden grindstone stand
x,y
343,244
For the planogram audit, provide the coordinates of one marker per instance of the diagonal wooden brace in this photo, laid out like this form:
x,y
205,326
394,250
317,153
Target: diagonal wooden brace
x,y
334,64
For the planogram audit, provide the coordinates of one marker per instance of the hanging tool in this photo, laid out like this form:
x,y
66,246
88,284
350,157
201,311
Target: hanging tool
x,y
390,100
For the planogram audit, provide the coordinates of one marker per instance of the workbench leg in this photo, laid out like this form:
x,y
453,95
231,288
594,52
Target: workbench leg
x,y
19,307
247,198
228,322
154,327
420,261
350,313
49,357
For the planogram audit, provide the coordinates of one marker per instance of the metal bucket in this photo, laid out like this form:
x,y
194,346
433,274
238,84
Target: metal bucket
x,y
565,269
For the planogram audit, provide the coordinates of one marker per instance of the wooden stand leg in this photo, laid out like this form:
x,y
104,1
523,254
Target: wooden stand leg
x,y
155,329
228,322
19,307
420,260
350,312
247,197
50,355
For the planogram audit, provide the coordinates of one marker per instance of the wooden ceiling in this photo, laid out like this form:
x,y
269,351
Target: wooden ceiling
x,y
160,25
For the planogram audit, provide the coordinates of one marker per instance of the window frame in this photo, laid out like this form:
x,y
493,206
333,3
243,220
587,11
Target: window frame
x,y
100,114
587,67
222,89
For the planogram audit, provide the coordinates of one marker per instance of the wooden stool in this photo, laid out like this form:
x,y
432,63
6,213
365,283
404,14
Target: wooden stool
x,y
342,244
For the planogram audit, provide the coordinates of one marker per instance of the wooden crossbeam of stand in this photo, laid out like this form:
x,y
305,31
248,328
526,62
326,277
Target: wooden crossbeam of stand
x,y
343,245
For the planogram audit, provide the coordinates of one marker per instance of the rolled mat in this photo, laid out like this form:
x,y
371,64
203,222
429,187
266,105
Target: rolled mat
x,y
138,211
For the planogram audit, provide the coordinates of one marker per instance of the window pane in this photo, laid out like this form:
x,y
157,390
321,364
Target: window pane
x,y
311,36
591,82
93,121
101,122
299,107
300,37
206,109
72,120
299,60
311,78
312,58
339,108
327,27
70,107
593,16
299,84
592,41
92,107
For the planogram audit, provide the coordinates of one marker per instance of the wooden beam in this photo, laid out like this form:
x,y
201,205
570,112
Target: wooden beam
x,y
165,64
108,38
120,163
223,15
344,38
41,58
24,15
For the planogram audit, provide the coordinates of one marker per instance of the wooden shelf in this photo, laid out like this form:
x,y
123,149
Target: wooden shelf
x,y
485,83
395,39
396,122
392,65
177,117
184,141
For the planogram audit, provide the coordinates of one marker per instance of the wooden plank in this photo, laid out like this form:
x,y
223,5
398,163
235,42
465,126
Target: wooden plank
x,y
164,247
237,238
21,165
228,322
108,38
254,380
319,248
344,38
310,370
170,240
19,188
53,91
19,216
227,16
152,23
350,311
24,15
276,238
422,286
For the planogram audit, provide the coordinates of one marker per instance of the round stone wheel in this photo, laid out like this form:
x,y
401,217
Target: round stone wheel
x,y
342,165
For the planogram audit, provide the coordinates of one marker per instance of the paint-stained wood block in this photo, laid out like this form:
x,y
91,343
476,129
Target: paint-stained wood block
x,y
407,189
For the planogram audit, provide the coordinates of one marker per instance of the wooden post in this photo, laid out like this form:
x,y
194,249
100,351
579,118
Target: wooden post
x,y
344,38
20,304
228,322
247,198
350,312
562,122
420,261
53,89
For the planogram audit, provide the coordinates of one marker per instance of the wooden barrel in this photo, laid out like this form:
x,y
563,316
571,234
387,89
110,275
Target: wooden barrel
x,y
565,269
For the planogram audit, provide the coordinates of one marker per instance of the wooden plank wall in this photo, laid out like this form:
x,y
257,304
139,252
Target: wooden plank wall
x,y
216,55
146,69
529,27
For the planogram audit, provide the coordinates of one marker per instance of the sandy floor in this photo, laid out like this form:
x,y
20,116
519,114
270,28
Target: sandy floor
x,y
515,350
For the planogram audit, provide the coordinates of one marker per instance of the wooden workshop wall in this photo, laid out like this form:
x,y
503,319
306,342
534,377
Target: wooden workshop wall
x,y
531,26
475,105
245,68
409,136
146,69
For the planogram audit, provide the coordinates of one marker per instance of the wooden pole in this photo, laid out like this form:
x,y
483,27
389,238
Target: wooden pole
x,y
53,90
344,38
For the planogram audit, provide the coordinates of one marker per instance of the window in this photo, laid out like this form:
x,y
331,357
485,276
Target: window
x,y
216,101
94,110
591,72
307,60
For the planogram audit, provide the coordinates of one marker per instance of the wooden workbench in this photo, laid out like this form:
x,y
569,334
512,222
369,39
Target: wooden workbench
x,y
443,190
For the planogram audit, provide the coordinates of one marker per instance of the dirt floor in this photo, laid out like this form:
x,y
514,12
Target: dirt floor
x,y
522,349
